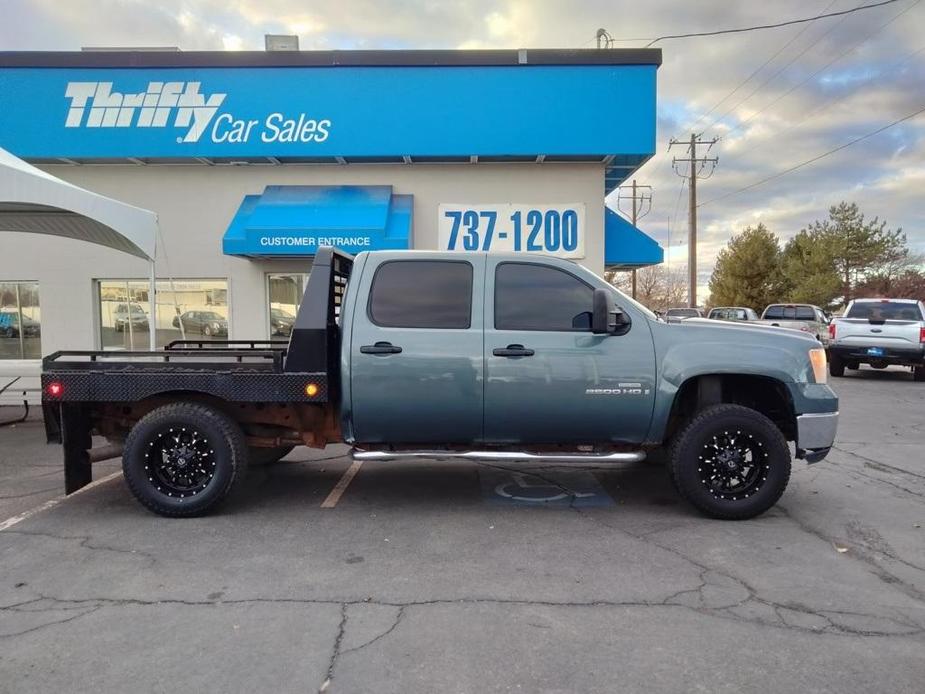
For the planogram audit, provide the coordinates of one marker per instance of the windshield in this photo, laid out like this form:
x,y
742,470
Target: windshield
x,y
684,312
885,310
790,312
729,313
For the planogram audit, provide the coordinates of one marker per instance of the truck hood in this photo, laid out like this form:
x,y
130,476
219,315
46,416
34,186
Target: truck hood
x,y
701,346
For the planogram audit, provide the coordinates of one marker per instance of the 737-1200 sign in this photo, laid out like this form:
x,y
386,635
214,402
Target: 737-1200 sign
x,y
554,229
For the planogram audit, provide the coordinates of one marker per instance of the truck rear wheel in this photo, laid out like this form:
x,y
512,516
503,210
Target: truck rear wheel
x,y
730,462
836,366
183,459
918,373
266,456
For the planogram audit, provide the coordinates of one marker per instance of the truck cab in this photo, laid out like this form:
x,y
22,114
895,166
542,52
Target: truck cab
x,y
489,349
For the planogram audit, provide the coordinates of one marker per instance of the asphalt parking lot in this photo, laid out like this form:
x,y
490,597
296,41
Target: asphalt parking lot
x,y
459,577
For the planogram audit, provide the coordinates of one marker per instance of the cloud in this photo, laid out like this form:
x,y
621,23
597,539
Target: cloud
x,y
832,80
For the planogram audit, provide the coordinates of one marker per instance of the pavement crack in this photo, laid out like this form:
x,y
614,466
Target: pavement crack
x,y
711,577
335,652
398,618
47,490
86,542
867,554
903,628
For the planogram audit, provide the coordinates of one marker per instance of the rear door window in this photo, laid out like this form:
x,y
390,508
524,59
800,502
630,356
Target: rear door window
x,y
422,294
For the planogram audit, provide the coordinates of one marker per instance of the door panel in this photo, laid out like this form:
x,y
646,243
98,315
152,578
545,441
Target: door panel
x,y
419,378
576,387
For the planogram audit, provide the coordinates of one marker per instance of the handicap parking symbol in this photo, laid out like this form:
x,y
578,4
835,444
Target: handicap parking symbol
x,y
563,488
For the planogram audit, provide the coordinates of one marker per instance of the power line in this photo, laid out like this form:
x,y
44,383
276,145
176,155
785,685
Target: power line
x,y
758,69
779,71
770,26
834,60
813,160
829,103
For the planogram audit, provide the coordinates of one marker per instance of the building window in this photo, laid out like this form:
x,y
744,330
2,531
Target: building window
x,y
565,306
422,294
194,309
20,321
284,294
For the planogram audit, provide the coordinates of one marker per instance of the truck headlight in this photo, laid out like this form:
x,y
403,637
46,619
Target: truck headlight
x,y
820,364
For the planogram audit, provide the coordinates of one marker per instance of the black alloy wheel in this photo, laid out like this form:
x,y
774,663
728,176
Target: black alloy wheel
x,y
184,459
730,462
733,465
180,461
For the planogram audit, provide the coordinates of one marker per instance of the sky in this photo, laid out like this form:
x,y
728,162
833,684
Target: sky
x,y
810,87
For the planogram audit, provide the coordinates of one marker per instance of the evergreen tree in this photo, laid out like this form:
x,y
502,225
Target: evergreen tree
x,y
748,271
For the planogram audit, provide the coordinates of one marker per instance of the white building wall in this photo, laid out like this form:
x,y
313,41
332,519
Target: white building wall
x,y
195,203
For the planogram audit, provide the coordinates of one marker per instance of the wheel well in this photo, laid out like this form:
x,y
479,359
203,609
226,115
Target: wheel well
x,y
766,395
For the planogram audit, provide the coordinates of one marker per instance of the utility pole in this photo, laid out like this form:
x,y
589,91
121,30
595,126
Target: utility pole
x,y
641,197
697,165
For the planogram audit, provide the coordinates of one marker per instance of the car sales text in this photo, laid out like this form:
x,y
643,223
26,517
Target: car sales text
x,y
276,127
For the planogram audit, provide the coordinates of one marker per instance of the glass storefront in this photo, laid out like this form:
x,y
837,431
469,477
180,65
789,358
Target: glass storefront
x,y
20,321
190,309
284,293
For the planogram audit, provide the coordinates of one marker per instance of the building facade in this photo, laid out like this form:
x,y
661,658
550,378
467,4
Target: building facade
x,y
253,160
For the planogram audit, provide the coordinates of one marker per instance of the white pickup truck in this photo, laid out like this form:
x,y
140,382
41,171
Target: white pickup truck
x,y
803,317
879,332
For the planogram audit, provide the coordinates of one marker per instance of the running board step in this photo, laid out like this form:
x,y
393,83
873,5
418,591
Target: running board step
x,y
510,456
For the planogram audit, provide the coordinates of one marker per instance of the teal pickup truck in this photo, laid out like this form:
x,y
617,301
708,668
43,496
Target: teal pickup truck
x,y
481,356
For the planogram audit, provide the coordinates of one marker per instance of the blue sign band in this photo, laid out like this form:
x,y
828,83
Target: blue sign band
x,y
444,111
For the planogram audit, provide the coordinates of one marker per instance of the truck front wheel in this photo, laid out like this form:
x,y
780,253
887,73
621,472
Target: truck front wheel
x,y
730,462
183,459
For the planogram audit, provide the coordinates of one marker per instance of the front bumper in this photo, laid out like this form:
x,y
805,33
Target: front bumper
x,y
816,435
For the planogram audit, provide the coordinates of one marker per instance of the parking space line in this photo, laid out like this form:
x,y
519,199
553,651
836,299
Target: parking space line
x,y
51,503
342,485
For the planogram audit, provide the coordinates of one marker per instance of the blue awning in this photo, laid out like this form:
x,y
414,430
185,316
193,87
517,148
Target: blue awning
x,y
627,247
296,220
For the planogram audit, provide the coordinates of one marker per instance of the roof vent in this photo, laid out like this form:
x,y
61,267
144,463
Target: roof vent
x,y
280,42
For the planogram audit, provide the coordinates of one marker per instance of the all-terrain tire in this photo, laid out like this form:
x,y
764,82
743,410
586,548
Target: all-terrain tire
x,y
692,467
918,373
208,439
836,366
266,456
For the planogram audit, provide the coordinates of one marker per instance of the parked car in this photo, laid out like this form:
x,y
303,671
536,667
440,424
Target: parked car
x,y
11,325
879,332
803,317
208,323
129,312
676,315
477,356
733,313
281,322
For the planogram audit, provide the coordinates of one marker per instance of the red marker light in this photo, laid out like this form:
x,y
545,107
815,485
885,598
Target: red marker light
x,y
55,389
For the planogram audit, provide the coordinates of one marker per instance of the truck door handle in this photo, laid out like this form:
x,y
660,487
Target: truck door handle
x,y
380,348
512,351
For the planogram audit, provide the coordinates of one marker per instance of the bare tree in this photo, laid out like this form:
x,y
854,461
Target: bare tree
x,y
657,287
